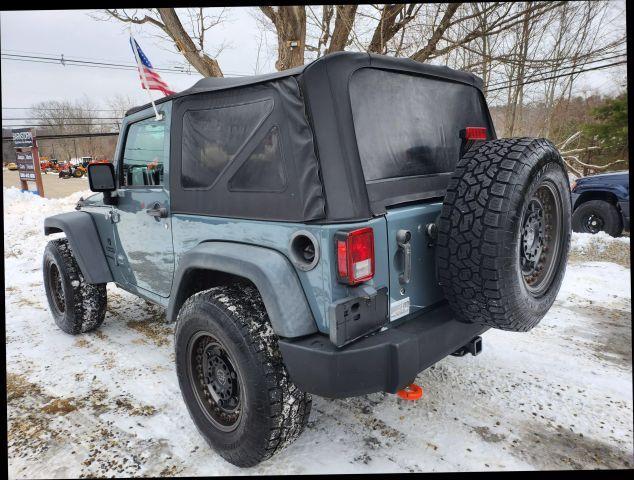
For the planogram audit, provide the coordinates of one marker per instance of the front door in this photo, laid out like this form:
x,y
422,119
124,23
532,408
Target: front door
x,y
143,230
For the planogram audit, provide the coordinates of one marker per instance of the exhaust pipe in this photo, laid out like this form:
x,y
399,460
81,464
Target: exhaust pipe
x,y
474,347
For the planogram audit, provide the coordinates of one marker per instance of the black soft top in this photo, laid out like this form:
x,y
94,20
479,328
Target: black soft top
x,y
328,183
334,65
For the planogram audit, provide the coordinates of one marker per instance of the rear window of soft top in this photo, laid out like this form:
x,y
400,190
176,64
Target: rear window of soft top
x,y
409,125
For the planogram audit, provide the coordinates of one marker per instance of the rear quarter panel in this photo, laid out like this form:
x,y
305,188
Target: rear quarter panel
x,y
320,284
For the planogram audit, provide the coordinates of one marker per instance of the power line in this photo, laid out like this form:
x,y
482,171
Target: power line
x,y
94,64
30,52
558,76
71,62
563,68
176,66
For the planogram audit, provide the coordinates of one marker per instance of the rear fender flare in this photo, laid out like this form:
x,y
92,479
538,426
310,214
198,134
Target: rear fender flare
x,y
271,273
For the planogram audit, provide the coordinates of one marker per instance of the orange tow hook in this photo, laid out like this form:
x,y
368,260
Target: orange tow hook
x,y
411,392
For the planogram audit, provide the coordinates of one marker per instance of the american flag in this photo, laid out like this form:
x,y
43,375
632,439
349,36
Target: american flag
x,y
150,80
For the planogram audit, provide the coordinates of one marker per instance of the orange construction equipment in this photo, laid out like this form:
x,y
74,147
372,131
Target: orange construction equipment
x,y
411,392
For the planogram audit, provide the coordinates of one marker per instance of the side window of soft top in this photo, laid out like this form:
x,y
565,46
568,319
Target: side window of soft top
x,y
144,154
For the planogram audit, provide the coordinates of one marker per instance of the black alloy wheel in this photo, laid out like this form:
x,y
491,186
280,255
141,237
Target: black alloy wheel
x,y
216,381
540,242
594,223
57,289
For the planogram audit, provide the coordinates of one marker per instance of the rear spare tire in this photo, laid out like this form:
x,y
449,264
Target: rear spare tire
x,y
504,233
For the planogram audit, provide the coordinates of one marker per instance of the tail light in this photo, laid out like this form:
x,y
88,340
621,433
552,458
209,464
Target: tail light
x,y
475,133
355,255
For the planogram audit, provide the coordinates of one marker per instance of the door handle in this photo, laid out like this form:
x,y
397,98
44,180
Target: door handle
x,y
157,211
402,239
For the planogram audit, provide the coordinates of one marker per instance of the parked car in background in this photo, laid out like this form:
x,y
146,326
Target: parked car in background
x,y
601,203
12,166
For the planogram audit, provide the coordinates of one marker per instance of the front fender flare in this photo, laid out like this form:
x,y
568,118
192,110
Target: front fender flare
x,y
268,270
81,232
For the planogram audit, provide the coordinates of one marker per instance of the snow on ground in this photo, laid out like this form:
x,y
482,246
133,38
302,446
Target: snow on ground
x,y
108,403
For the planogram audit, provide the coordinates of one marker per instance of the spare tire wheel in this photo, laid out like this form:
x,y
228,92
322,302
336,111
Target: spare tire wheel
x,y
504,233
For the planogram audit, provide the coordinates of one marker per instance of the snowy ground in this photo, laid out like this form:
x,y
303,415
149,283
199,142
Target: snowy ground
x,y
108,403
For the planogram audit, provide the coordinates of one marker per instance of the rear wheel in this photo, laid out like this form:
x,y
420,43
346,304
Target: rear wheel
x,y
504,233
232,377
595,216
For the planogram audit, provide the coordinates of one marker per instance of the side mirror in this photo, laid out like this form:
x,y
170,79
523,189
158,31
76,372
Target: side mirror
x,y
101,177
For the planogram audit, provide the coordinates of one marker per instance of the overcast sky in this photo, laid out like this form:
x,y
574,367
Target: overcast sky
x,y
76,35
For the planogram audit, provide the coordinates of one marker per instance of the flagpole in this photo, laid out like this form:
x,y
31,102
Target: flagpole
x,y
142,73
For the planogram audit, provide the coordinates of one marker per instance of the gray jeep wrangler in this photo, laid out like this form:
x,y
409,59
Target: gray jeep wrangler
x,y
333,229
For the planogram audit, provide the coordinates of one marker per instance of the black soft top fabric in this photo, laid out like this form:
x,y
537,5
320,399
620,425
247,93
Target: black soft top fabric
x,y
342,195
301,198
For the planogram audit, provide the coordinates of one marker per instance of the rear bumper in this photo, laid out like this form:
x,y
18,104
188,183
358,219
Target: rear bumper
x,y
386,361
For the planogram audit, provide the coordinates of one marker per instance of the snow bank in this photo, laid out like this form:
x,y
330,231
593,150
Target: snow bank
x,y
583,242
600,247
24,215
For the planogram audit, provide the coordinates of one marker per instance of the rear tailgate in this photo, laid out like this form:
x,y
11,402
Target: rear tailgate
x,y
420,290
411,130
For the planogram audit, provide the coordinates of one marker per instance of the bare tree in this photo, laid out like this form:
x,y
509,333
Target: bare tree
x,y
120,104
344,22
67,118
290,26
525,52
190,44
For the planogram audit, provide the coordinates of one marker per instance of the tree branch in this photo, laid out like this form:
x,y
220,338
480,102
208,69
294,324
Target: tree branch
x,y
343,25
205,65
424,53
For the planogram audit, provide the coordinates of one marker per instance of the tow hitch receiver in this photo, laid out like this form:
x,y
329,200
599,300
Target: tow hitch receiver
x,y
411,392
474,347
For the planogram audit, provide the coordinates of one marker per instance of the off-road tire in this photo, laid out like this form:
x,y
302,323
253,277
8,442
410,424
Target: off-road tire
x,y
607,214
480,232
274,412
84,304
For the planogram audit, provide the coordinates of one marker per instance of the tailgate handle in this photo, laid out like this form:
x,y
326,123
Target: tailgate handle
x,y
402,239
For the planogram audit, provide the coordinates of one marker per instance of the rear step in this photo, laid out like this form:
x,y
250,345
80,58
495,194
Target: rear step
x,y
474,347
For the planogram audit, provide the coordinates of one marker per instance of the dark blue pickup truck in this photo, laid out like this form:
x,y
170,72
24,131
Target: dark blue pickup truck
x,y
601,202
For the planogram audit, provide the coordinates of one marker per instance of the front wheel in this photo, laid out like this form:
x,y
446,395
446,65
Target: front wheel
x,y
232,377
595,216
77,306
